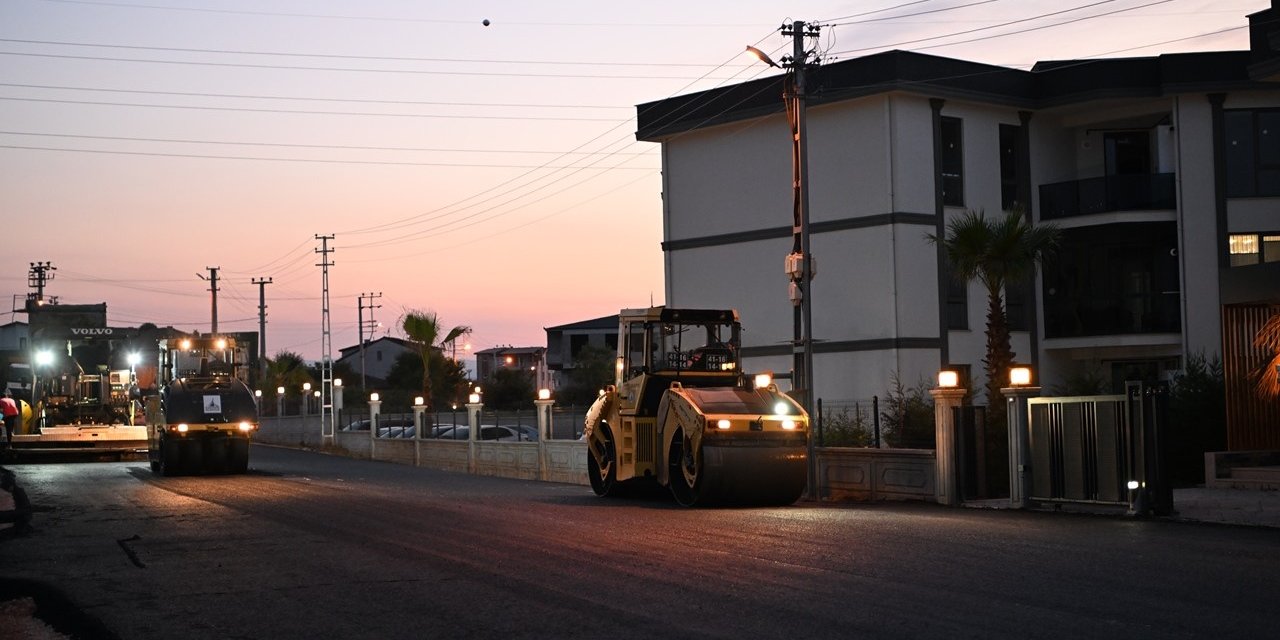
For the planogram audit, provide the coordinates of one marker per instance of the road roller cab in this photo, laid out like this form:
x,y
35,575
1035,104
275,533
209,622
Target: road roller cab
x,y
682,413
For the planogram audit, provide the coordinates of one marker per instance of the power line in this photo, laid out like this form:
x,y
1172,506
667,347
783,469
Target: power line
x,y
276,14
299,146
587,63
245,65
834,22
312,113
196,156
428,103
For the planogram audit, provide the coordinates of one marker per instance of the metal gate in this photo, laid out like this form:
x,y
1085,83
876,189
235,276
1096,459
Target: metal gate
x,y
982,456
1100,449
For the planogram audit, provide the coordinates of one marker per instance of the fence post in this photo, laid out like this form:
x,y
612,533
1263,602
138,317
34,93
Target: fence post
x,y
375,408
875,417
945,401
1018,421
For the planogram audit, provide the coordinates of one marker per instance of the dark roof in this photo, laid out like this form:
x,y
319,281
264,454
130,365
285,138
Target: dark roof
x,y
606,322
346,351
1046,85
511,350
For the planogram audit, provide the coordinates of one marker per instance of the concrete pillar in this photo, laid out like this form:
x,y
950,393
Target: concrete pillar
x,y
280,402
544,417
375,408
1019,423
473,419
419,426
946,484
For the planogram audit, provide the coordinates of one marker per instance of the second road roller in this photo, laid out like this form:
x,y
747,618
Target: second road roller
x,y
681,413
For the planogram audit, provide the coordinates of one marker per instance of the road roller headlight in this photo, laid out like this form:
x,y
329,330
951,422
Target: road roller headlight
x,y
789,424
183,428
763,380
781,408
723,424
246,426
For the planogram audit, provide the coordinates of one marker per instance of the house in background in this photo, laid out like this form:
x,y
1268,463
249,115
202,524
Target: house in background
x,y
1163,172
566,340
379,356
529,359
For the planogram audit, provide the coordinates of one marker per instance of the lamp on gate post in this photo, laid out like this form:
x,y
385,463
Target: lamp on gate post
x,y
306,397
799,264
279,401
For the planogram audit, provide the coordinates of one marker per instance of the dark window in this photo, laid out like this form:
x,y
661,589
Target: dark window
x,y
1127,152
1015,305
576,343
957,302
1113,280
1253,152
952,162
1009,168
611,341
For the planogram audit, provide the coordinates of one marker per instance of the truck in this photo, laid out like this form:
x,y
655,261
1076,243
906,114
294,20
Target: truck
x,y
202,414
681,413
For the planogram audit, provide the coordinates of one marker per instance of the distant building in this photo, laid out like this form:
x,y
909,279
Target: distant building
x,y
565,341
530,359
14,336
379,356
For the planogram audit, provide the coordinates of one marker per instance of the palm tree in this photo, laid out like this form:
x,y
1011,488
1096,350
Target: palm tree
x,y
423,330
997,253
1268,339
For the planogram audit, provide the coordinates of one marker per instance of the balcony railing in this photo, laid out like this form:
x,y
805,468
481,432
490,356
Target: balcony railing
x,y
1134,192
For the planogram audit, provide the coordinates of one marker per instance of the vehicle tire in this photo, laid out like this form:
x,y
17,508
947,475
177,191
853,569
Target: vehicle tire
x,y
685,470
170,459
238,455
191,454
602,457
155,466
217,458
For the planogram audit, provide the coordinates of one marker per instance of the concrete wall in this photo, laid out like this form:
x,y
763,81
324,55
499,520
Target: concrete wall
x,y
844,474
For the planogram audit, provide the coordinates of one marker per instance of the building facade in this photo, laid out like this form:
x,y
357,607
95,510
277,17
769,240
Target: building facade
x,y
532,360
566,341
1162,172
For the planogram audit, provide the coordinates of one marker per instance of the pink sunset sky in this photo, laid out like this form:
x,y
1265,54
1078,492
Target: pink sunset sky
x,y
488,173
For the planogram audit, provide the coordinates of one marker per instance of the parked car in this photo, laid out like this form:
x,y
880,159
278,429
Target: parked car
x,y
489,432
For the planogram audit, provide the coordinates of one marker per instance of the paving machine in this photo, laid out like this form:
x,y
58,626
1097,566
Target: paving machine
x,y
78,390
204,414
682,413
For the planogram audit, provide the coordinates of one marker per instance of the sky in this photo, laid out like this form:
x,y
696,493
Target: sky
x,y
488,173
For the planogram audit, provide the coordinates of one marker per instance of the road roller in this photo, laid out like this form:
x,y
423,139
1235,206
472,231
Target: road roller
x,y
204,414
682,414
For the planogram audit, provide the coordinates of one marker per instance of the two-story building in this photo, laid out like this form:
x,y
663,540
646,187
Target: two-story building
x,y
529,359
1163,173
566,341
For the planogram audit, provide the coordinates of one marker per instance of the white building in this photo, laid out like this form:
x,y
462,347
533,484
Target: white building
x,y
1164,173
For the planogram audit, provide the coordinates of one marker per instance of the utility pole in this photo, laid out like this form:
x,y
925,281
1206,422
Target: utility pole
x,y
361,322
799,263
38,276
262,325
326,345
213,287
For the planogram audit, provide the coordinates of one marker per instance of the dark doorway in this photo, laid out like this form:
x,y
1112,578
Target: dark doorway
x,y
1127,152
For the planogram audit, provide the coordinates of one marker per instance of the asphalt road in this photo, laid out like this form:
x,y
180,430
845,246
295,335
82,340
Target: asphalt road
x,y
315,546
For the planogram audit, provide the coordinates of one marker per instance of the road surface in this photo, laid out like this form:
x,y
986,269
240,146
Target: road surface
x,y
315,546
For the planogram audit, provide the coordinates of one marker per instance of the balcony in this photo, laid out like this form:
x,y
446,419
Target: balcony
x,y
1128,192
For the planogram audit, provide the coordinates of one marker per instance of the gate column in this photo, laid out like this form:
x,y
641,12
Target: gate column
x,y
1019,428
947,397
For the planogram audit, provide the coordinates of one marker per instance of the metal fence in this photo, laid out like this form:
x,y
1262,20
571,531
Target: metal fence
x,y
522,424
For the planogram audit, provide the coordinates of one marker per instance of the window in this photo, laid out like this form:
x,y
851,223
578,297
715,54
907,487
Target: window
x,y
377,356
1015,305
1253,152
1009,168
952,162
957,302
576,342
1252,248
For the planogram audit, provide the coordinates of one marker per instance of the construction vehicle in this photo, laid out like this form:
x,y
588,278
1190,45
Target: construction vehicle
x,y
203,417
682,413
78,385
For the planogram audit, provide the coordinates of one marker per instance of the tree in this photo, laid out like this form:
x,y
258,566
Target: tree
x,y
996,253
286,370
447,375
593,368
1267,376
423,329
509,389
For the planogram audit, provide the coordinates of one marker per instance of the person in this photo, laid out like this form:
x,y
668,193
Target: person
x,y
10,409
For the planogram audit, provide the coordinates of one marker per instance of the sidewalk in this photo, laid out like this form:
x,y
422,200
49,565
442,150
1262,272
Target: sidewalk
x,y
1228,506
